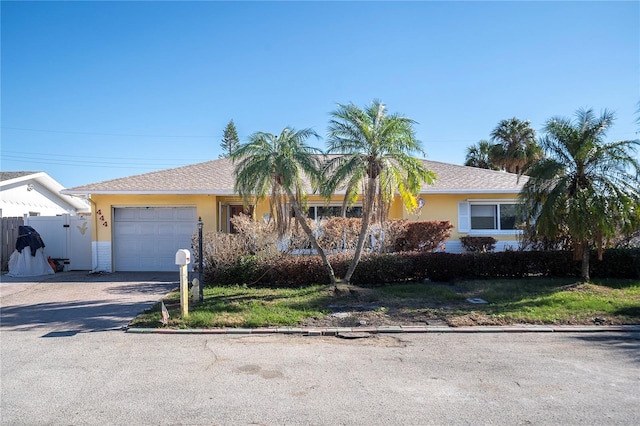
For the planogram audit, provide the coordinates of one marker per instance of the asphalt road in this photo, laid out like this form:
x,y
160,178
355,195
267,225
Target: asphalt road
x,y
85,372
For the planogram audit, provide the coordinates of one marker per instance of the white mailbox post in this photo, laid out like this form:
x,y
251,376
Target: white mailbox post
x,y
183,258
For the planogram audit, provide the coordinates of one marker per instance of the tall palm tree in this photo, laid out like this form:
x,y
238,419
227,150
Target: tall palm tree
x,y
586,185
479,155
374,154
275,166
514,146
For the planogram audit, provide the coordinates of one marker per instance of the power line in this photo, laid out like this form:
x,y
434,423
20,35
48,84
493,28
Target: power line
x,y
108,134
92,165
20,154
428,141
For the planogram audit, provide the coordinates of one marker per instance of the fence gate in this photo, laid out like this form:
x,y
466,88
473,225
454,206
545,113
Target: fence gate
x,y
8,239
65,237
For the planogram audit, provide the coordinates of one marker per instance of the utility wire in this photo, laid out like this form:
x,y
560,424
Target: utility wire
x,y
467,141
108,134
92,165
84,158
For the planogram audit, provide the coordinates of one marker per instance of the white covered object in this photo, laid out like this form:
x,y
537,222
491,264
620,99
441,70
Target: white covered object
x,y
25,265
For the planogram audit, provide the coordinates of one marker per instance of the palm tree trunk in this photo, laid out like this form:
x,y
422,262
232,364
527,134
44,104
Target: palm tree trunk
x,y
369,198
585,262
312,238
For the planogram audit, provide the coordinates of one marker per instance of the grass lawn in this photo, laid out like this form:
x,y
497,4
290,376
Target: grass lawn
x,y
510,301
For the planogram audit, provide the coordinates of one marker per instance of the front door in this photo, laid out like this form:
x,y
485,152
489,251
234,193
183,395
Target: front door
x,y
227,211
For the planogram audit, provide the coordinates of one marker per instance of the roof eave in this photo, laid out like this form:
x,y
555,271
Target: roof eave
x,y
53,186
31,176
147,192
471,191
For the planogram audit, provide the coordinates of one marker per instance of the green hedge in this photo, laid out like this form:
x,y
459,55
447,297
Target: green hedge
x,y
376,269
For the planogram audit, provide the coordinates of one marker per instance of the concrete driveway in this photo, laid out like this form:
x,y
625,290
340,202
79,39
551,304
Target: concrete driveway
x,y
75,302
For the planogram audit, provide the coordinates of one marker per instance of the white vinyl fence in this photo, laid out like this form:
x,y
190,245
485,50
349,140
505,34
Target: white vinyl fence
x,y
65,237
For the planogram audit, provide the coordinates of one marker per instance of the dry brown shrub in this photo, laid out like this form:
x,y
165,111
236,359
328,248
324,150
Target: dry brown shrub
x,y
219,249
259,237
388,234
339,233
425,235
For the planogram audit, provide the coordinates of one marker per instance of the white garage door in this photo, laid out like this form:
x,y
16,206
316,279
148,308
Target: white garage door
x,y
147,238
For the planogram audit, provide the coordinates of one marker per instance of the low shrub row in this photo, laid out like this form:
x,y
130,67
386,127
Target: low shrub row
x,y
380,268
478,244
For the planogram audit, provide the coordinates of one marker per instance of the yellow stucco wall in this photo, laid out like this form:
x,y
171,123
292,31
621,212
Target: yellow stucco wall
x,y
437,207
102,209
445,207
207,207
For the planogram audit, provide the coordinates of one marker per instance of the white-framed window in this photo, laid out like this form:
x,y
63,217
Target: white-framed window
x,y
484,216
322,212
318,212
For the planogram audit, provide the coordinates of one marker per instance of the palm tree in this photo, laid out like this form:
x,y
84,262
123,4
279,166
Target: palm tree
x,y
271,165
515,145
374,154
585,185
479,155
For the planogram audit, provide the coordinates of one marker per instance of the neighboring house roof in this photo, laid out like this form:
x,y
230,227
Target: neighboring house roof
x,y
4,176
10,179
215,177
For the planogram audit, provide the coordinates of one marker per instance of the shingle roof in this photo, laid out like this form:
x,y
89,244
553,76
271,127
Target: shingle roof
x,y
216,177
4,176
453,178
211,177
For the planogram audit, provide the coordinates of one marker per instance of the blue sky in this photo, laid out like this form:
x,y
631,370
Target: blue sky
x,y
93,91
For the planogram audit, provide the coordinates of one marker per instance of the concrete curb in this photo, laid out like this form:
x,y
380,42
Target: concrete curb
x,y
335,331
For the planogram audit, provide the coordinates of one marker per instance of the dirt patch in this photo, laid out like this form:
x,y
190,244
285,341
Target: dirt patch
x,y
588,288
355,318
359,307
401,316
474,319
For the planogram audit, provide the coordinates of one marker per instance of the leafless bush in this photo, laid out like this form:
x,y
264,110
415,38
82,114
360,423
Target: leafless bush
x,y
392,231
258,237
341,234
338,233
219,249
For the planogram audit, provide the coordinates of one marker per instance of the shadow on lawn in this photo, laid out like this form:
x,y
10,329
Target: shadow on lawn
x,y
415,300
313,297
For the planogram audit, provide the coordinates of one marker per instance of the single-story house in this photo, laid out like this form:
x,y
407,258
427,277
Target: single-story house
x,y
142,220
36,194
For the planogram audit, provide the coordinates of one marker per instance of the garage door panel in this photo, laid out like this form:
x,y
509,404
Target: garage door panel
x,y
149,214
166,229
185,228
125,214
146,239
186,214
127,228
166,214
